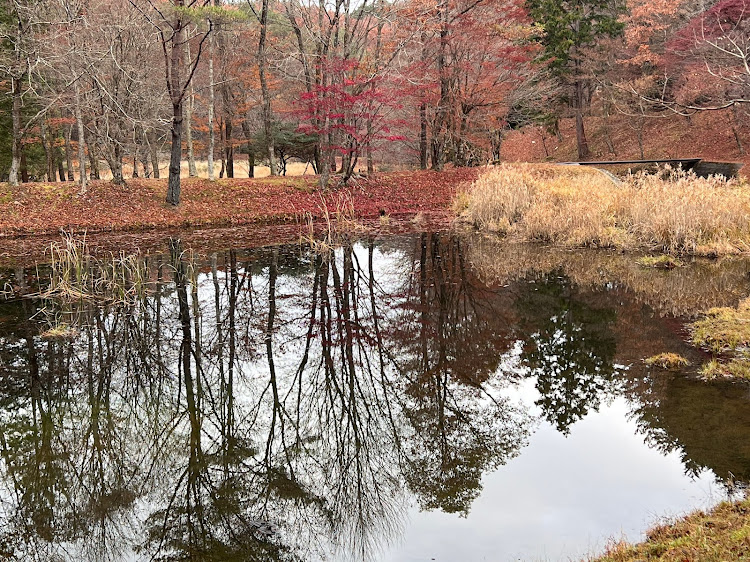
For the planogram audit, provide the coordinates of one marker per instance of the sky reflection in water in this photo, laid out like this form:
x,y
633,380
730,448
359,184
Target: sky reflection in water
x,y
414,398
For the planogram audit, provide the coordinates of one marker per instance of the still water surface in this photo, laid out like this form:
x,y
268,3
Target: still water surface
x,y
421,397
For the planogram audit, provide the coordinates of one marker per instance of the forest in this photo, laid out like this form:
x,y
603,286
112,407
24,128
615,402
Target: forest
x,y
107,89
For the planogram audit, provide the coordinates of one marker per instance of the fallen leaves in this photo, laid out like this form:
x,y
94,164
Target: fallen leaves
x,y
44,209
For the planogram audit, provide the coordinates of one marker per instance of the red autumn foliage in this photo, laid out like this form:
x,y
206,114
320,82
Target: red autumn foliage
x,y
44,209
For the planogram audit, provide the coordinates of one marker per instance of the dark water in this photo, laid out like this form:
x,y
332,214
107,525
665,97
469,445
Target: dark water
x,y
424,397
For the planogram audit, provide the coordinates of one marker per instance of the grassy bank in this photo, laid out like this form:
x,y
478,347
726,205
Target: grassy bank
x,y
46,208
577,206
720,535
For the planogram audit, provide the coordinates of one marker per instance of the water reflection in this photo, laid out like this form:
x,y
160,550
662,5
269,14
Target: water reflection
x,y
278,404
570,349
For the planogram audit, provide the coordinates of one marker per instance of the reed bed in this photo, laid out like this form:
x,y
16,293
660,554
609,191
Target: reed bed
x,y
573,206
76,275
334,228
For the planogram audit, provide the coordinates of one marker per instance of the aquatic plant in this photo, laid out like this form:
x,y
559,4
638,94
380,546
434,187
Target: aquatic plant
x,y
75,274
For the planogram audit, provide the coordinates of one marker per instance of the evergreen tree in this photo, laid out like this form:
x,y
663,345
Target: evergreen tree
x,y
568,30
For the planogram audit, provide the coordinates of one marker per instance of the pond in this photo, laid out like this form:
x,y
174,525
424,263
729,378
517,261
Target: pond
x,y
426,396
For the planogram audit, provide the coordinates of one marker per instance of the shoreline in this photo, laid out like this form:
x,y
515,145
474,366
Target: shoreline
x,y
46,209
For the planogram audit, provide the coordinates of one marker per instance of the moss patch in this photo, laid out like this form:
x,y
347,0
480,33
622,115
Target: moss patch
x,y
667,361
726,333
723,330
661,262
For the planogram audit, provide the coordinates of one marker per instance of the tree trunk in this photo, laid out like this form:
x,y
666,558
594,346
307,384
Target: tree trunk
x,y
144,162
173,189
176,92
266,96
223,140
81,141
229,146
438,137
69,154
48,156
93,162
15,164
192,170
24,167
114,160
60,167
154,155
250,149
423,136
581,141
211,105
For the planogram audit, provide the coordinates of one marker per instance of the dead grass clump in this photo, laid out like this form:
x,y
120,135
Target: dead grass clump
x,y
667,361
76,275
577,206
500,197
684,213
61,331
723,534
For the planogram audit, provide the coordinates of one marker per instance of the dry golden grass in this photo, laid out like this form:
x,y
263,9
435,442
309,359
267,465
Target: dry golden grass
x,y
580,206
721,535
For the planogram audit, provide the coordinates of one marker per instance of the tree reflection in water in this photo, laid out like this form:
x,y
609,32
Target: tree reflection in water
x,y
265,405
278,404
570,350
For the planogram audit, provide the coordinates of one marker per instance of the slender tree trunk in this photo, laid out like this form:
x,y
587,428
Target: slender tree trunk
x,y
211,105
438,135
69,153
580,103
223,139
229,146
250,149
48,157
60,167
81,141
93,162
173,188
266,95
192,170
15,163
24,167
153,149
176,96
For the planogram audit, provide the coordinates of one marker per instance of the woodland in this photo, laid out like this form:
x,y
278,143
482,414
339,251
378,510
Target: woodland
x,y
94,89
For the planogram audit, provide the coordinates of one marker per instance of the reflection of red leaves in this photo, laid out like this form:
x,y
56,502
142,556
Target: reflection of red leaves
x,y
46,208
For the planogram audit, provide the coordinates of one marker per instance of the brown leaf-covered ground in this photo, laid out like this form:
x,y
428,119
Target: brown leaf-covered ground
x,y
43,209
